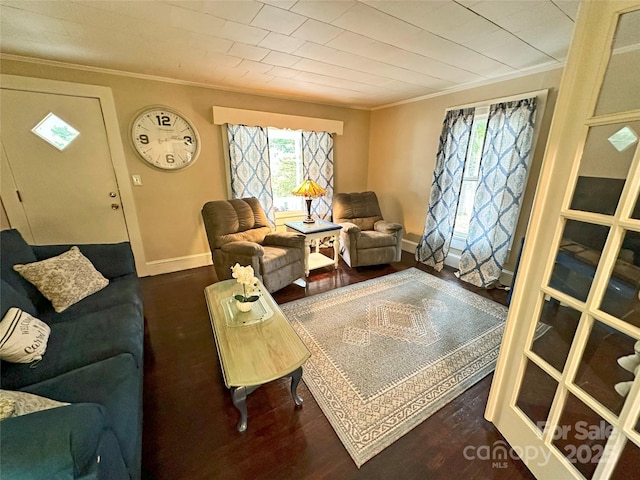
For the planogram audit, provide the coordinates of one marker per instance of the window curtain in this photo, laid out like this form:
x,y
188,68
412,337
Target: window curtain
x,y
317,165
503,175
445,188
250,170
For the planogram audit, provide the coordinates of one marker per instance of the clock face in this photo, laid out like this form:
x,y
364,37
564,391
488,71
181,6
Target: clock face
x,y
165,139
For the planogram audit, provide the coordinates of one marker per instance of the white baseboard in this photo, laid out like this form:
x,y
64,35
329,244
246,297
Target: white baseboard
x,y
170,265
453,260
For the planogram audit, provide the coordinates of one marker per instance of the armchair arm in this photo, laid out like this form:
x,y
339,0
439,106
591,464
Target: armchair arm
x,y
248,249
284,239
383,226
350,228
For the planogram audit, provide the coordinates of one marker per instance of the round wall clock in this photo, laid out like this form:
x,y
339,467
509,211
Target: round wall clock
x,y
164,138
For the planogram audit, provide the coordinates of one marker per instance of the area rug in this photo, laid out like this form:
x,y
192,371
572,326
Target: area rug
x,y
389,352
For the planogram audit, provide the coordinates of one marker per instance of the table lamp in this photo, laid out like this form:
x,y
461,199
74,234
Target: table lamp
x,y
309,190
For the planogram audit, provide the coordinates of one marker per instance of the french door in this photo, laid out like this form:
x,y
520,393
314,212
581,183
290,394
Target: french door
x,y
566,393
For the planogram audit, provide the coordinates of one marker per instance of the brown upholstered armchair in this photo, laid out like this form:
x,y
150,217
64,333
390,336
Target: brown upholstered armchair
x,y
365,238
239,232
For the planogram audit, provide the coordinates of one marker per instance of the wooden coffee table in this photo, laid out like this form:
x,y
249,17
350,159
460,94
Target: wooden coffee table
x,y
254,348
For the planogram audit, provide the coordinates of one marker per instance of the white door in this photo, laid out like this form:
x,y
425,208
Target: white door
x,y
63,196
566,394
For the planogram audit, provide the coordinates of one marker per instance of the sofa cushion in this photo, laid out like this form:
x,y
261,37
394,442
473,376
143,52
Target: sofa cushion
x,y
13,249
10,297
373,239
65,279
23,338
111,259
75,343
120,291
116,384
56,443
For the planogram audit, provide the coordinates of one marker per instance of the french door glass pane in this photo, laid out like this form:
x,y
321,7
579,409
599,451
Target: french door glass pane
x,y
606,159
622,298
619,92
628,464
636,210
603,373
536,394
577,258
581,435
559,324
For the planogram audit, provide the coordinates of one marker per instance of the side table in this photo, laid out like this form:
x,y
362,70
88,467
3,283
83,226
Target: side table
x,y
313,233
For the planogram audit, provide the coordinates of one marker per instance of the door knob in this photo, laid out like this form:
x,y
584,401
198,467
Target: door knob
x,y
113,194
115,206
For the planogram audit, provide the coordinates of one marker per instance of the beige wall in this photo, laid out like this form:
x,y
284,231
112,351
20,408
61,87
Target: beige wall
x,y
4,220
168,204
404,141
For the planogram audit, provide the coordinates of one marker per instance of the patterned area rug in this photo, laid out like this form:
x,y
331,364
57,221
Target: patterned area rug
x,y
388,353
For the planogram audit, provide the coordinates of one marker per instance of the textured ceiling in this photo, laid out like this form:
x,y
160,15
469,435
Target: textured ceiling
x,y
353,53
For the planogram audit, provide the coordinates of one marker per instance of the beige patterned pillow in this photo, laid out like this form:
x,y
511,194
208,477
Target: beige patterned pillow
x,y
15,403
65,279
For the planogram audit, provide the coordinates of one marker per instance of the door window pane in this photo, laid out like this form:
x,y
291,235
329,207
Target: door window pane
x,y
607,365
636,210
619,92
558,325
628,464
536,394
604,166
581,436
622,297
578,257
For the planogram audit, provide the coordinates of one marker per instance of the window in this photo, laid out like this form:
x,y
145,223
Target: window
x,y
470,178
285,157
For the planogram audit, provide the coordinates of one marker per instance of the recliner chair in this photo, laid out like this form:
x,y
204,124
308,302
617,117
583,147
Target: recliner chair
x,y
239,232
365,238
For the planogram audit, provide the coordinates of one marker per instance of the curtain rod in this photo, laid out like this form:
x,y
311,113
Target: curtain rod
x,y
511,98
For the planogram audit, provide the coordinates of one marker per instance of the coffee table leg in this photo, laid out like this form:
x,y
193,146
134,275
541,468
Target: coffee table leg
x,y
239,398
296,375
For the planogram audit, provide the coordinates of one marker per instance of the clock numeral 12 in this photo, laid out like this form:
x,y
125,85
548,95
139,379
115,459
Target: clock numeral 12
x,y
163,121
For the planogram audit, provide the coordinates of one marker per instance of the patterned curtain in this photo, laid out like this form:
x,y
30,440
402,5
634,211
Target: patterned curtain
x,y
317,165
445,188
250,170
503,175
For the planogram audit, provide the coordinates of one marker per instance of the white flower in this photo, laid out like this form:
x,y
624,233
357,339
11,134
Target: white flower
x,y
246,277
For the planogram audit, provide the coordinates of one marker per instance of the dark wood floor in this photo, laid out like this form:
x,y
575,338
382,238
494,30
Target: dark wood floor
x,y
190,422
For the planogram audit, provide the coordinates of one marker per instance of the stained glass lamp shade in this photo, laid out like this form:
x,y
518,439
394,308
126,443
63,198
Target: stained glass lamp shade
x,y
309,190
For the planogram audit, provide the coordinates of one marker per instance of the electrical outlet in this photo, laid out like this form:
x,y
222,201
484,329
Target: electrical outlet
x,y
137,180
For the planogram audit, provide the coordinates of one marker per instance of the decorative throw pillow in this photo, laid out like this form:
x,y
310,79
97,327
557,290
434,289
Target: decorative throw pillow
x,y
23,338
65,279
7,408
24,403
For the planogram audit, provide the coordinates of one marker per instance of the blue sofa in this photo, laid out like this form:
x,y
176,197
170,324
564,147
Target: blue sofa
x,y
94,361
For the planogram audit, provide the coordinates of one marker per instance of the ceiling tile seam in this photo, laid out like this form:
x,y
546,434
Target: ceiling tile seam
x,y
562,11
443,38
508,32
293,67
